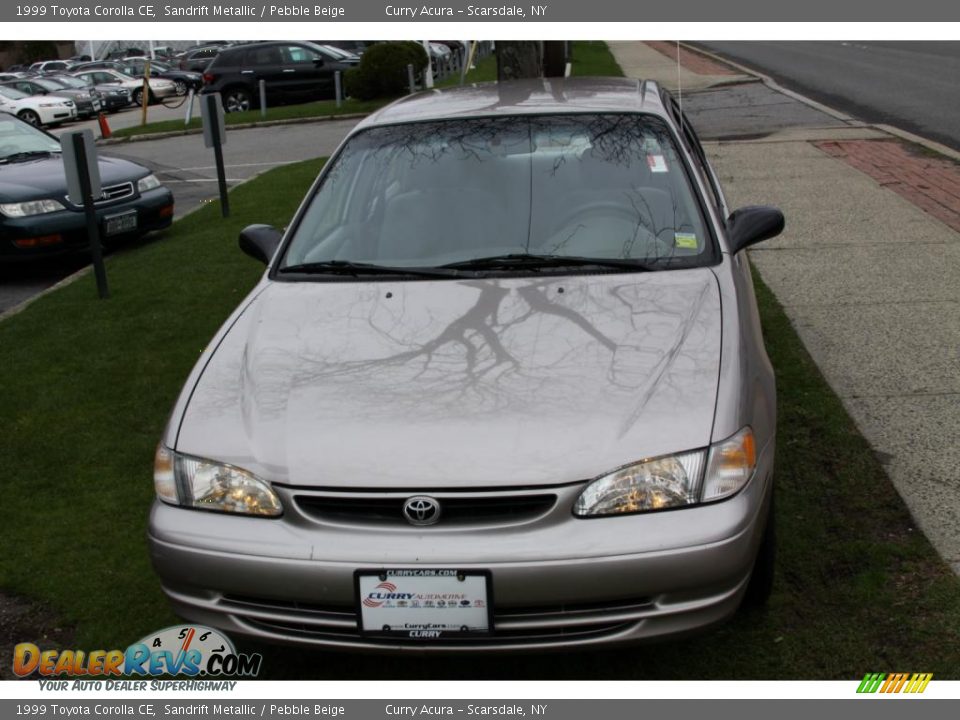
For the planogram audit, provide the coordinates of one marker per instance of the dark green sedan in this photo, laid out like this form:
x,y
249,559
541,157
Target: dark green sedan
x,y
38,220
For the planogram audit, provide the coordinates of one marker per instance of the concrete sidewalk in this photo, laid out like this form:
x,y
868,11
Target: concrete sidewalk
x,y
642,60
868,271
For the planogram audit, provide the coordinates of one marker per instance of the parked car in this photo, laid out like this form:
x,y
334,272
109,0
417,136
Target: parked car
x,y
36,110
183,80
502,387
112,96
197,59
294,72
121,53
87,100
159,88
37,220
341,55
46,66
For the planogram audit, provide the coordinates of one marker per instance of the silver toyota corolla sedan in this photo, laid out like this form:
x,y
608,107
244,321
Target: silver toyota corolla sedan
x,y
502,387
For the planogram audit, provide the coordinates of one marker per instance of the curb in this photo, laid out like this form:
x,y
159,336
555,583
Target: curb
x,y
832,112
68,280
237,126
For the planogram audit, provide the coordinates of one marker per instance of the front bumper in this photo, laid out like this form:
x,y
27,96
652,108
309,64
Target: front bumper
x,y
154,210
88,108
115,102
558,582
56,115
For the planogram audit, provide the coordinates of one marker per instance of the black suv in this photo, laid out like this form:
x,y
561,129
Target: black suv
x,y
293,72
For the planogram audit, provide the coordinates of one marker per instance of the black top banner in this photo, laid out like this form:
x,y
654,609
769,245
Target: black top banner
x,y
645,11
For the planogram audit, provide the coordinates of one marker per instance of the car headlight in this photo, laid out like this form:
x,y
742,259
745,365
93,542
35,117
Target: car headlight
x,y
148,183
672,481
655,484
51,105
31,207
208,485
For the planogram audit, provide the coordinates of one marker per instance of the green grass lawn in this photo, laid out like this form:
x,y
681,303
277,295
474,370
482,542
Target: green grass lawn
x,y
593,58
484,70
323,108
88,384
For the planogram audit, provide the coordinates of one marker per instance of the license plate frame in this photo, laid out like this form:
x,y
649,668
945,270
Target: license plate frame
x,y
425,622
120,223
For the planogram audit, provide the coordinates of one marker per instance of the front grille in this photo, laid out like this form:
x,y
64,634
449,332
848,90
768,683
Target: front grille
x,y
542,624
455,509
116,192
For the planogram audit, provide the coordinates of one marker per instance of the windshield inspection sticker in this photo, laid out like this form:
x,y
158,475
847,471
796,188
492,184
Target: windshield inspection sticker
x,y
657,163
687,241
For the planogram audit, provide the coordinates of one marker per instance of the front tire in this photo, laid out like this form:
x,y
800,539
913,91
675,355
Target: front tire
x,y
138,97
30,117
237,100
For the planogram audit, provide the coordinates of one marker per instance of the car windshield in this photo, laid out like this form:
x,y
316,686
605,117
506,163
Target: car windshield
x,y
48,85
18,137
433,194
68,81
11,94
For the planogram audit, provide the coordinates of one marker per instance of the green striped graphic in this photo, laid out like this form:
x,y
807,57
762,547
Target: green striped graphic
x,y
871,682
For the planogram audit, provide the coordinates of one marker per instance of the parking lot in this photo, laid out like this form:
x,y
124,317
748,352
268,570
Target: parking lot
x,y
187,167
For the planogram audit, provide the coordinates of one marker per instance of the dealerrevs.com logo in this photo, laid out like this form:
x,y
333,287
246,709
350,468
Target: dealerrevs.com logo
x,y
184,650
894,682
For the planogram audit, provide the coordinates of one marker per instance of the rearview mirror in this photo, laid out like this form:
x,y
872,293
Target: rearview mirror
x,y
750,225
260,241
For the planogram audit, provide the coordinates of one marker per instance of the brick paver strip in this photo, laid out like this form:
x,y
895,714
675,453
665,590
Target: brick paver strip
x,y
692,61
931,183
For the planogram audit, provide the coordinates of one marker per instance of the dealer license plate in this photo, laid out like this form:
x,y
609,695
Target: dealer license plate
x,y
424,604
116,224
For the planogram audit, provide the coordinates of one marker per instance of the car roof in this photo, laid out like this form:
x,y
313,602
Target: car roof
x,y
542,96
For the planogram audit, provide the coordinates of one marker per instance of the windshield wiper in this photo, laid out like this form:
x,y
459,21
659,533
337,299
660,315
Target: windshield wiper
x,y
527,261
347,267
26,155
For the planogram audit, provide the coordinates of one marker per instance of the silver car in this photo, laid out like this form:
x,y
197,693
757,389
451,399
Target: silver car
x,y
502,387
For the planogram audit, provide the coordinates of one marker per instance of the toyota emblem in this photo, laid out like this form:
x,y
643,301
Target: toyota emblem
x,y
421,510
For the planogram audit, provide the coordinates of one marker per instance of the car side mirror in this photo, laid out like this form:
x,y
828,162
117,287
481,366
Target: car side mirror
x,y
318,62
750,225
260,241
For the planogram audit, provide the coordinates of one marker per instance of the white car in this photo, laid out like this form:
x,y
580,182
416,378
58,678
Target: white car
x,y
38,110
159,88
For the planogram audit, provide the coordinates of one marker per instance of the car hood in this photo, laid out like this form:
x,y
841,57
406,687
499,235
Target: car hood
x,y
465,383
45,178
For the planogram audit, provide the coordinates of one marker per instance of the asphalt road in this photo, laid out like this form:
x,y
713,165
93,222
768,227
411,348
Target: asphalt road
x,y
912,85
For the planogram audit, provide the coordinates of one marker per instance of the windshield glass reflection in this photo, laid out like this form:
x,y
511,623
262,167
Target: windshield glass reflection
x,y
431,194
